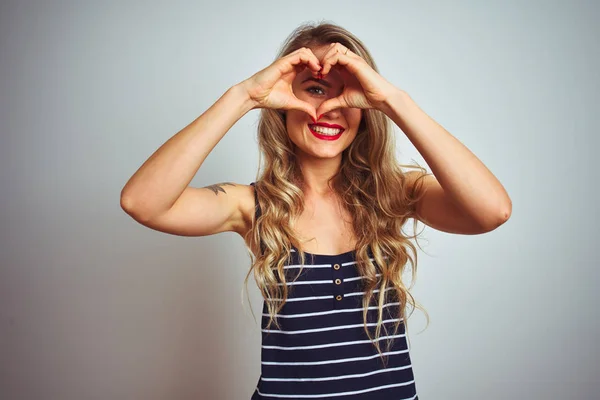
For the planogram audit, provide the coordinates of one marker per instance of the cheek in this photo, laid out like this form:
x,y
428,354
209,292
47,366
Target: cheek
x,y
353,116
295,121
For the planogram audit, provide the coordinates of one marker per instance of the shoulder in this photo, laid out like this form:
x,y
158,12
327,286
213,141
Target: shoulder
x,y
416,182
413,176
246,201
240,200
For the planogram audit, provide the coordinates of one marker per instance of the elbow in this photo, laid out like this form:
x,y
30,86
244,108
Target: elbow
x,y
127,201
505,211
131,207
128,205
495,219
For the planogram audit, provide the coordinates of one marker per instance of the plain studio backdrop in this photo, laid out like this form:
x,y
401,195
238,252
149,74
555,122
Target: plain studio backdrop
x,y
94,305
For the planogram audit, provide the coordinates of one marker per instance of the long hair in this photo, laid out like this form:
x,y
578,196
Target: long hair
x,y
370,184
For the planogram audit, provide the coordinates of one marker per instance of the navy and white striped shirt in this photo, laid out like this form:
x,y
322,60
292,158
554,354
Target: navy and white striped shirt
x,y
322,350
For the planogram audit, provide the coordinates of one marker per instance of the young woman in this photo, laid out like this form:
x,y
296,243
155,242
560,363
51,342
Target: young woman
x,y
323,221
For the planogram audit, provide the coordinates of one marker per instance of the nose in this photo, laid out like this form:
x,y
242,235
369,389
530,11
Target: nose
x,y
331,114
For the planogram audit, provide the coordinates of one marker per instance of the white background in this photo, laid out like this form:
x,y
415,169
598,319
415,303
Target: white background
x,y
95,306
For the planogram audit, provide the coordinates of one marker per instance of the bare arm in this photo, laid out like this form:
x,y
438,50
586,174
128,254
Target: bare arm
x,y
158,196
463,196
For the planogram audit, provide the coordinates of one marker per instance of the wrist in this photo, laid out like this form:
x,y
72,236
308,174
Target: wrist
x,y
397,101
241,91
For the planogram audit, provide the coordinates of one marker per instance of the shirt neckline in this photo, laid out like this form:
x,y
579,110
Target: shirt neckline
x,y
325,257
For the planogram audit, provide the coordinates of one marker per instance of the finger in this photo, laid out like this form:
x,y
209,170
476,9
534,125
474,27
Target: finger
x,y
305,56
295,62
331,104
336,55
300,68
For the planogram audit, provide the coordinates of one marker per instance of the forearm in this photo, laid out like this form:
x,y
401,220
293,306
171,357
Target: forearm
x,y
159,182
460,173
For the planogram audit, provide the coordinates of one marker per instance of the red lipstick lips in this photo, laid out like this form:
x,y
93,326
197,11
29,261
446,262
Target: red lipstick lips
x,y
326,125
326,137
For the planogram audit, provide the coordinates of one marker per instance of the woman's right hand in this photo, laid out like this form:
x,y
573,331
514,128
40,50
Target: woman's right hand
x,y
272,86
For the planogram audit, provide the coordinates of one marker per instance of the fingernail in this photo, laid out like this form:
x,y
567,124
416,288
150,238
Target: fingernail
x,y
314,120
319,117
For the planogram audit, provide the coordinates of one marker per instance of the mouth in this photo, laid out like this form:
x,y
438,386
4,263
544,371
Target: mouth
x,y
329,132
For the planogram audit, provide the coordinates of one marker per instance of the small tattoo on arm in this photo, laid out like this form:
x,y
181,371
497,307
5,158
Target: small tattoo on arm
x,y
217,187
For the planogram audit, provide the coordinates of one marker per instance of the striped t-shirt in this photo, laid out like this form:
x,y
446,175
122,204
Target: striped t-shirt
x,y
321,350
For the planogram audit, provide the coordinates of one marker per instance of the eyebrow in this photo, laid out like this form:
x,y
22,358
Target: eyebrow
x,y
321,81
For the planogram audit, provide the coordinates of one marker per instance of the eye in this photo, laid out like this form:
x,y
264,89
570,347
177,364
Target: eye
x,y
317,88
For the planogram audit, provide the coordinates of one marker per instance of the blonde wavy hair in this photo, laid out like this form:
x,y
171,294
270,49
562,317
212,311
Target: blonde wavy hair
x,y
370,184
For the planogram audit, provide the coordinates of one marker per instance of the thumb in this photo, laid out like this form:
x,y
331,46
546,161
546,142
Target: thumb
x,y
329,105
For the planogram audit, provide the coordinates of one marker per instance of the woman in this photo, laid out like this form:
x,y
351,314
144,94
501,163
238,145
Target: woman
x,y
323,221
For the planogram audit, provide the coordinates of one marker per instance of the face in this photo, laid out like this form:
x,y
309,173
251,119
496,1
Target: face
x,y
299,123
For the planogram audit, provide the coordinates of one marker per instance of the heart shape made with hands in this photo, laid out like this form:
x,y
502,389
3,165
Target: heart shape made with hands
x,y
346,86
351,94
361,86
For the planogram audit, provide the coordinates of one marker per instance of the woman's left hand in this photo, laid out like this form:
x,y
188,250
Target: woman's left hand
x,y
364,87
